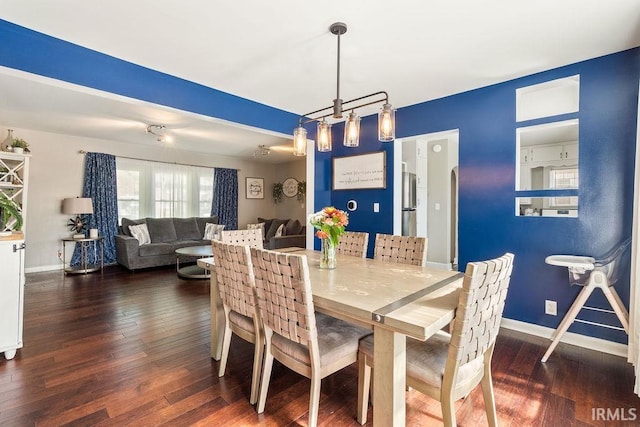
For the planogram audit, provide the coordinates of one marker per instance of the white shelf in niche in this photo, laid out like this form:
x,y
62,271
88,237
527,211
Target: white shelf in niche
x,y
560,96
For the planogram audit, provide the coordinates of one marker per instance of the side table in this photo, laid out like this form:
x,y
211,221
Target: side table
x,y
85,245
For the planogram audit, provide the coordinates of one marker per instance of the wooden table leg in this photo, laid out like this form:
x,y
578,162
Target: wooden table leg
x,y
389,377
217,318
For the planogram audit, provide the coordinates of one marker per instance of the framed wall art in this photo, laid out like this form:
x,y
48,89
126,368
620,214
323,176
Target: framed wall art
x,y
363,171
254,188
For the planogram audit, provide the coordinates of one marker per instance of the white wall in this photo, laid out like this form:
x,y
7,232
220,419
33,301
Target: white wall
x,y
57,171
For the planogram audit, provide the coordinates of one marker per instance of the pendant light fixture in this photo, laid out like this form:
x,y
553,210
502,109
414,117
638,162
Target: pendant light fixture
x,y
386,116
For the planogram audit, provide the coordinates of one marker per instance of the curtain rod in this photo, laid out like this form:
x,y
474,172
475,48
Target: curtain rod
x,y
159,161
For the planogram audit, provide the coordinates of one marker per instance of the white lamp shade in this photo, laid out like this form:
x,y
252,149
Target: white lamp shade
x,y
77,205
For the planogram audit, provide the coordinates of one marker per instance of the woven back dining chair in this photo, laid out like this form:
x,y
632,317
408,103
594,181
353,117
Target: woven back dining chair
x,y
448,366
400,249
234,274
251,237
354,243
312,344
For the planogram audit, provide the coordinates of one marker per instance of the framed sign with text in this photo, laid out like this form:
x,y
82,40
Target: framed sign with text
x,y
362,171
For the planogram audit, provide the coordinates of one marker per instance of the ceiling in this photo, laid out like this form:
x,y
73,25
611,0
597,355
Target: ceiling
x,y
280,53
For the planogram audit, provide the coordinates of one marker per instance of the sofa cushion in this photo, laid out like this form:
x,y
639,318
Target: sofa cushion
x,y
202,222
156,249
274,227
267,225
293,227
161,230
126,222
186,229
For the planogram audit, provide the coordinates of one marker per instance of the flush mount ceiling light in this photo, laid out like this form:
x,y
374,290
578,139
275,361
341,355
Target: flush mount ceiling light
x,y
386,116
262,150
159,131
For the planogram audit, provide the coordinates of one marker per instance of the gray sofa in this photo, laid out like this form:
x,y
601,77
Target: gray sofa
x,y
167,235
294,233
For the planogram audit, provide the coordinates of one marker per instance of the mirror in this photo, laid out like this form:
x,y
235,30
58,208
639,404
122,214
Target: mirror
x,y
557,206
547,156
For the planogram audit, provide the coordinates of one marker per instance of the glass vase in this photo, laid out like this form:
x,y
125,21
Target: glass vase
x,y
8,141
328,256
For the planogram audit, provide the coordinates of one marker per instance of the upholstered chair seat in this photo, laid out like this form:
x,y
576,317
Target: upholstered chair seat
x,y
337,340
426,360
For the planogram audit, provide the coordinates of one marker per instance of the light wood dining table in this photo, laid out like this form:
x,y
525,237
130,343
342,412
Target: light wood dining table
x,y
395,300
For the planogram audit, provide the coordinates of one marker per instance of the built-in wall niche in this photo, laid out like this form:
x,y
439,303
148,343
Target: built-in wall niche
x,y
547,156
552,98
556,206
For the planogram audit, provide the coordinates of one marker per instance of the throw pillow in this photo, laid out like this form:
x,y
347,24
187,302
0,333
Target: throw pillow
x,y
274,227
126,222
141,233
259,225
267,225
213,231
279,231
293,227
204,220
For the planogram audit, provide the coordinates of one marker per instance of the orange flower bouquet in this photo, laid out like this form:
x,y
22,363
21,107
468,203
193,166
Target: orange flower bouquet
x,y
330,223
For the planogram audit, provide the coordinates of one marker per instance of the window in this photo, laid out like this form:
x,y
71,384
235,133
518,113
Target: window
x,y
162,190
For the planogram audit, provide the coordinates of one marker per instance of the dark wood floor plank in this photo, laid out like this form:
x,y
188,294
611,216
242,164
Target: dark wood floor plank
x,y
122,348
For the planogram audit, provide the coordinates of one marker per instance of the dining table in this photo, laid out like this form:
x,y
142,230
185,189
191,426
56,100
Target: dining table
x,y
395,300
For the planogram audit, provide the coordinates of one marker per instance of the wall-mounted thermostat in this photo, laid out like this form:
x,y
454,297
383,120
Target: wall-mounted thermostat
x,y
352,205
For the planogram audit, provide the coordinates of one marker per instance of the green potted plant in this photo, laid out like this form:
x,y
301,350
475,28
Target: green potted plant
x,y
4,174
302,190
9,211
19,146
277,192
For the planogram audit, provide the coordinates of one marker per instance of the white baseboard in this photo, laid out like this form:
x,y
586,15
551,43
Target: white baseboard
x,y
584,341
43,268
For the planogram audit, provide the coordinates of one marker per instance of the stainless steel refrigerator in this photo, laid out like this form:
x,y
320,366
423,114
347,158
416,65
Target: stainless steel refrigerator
x,y
408,204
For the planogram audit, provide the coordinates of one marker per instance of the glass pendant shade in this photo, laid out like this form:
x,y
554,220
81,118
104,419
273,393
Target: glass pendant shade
x,y
324,136
387,124
300,141
352,131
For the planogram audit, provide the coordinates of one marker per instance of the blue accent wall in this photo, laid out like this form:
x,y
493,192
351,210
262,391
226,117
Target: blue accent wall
x,y
488,226
37,53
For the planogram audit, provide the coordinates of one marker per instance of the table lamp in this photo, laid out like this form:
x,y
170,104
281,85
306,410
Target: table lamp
x,y
78,206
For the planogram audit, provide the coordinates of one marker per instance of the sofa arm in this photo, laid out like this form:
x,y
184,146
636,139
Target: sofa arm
x,y
297,240
126,251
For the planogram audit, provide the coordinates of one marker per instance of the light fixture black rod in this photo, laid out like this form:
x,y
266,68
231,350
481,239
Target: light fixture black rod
x,y
338,77
310,119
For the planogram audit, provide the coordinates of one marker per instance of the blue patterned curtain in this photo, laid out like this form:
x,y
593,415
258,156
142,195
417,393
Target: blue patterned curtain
x,y
225,197
100,185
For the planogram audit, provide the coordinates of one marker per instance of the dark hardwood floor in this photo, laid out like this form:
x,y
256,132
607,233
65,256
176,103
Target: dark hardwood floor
x,y
122,348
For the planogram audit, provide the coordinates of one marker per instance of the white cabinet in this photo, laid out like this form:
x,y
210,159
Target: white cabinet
x,y
12,293
14,175
555,154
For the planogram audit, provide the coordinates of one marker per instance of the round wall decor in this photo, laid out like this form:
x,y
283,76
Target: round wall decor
x,y
290,187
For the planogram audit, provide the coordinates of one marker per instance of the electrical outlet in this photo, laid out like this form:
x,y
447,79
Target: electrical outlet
x,y
550,307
